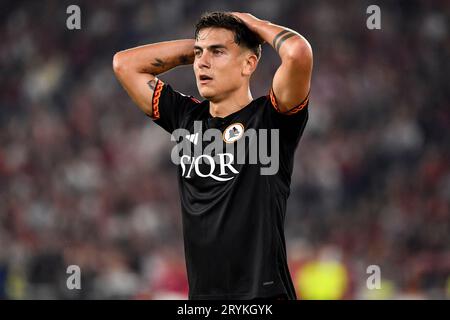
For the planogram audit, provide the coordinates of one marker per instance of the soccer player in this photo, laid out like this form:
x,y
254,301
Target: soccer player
x,y
233,215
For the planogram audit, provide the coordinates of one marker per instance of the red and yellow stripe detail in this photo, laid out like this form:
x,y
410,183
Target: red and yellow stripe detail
x,y
291,111
155,99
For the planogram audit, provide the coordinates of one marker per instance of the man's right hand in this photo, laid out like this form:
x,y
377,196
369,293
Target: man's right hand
x,y
137,68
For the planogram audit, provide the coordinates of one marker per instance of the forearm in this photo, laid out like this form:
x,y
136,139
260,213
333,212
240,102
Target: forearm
x,y
136,68
156,58
287,42
292,80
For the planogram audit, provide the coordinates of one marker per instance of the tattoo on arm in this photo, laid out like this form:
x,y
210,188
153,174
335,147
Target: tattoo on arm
x,y
280,38
152,84
184,59
274,42
159,63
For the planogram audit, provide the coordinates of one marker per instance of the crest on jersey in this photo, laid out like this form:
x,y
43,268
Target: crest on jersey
x,y
233,132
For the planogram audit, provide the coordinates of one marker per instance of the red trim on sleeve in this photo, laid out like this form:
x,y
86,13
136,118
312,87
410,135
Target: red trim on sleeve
x,y
291,111
155,100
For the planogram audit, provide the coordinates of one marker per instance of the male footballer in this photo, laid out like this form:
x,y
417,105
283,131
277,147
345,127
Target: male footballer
x,y
233,215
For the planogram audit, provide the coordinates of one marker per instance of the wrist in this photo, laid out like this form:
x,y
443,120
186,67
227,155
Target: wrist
x,y
258,25
259,28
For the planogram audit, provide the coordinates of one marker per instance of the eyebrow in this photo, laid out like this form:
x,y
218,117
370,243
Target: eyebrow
x,y
212,47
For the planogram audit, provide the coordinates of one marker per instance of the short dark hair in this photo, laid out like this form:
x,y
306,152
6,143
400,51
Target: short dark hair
x,y
243,36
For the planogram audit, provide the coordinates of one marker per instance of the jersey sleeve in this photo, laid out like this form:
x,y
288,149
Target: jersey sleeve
x,y
171,108
292,123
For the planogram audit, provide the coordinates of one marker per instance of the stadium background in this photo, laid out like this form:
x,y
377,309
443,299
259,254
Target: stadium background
x,y
86,178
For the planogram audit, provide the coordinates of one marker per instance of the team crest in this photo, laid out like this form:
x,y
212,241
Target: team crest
x,y
233,132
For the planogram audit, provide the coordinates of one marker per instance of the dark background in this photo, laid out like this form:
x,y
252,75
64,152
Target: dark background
x,y
86,178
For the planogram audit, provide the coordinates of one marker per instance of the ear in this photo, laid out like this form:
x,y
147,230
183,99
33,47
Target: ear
x,y
249,64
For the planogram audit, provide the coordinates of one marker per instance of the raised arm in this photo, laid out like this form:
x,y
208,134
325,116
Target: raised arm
x,y
291,82
137,68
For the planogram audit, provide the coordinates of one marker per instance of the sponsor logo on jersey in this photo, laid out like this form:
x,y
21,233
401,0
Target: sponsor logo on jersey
x,y
205,166
219,159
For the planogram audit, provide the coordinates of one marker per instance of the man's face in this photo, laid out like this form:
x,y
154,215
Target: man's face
x,y
219,63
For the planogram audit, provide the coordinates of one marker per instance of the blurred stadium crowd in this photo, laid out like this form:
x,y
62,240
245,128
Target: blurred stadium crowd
x,y
86,178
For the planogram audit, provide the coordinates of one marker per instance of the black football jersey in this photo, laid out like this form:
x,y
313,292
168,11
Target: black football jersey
x,y
233,215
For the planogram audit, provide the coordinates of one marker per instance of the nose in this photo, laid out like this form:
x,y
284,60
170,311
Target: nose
x,y
203,61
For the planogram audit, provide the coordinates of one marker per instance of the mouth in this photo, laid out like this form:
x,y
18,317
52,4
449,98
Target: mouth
x,y
204,79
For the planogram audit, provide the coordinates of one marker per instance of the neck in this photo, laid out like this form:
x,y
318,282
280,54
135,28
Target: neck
x,y
230,104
